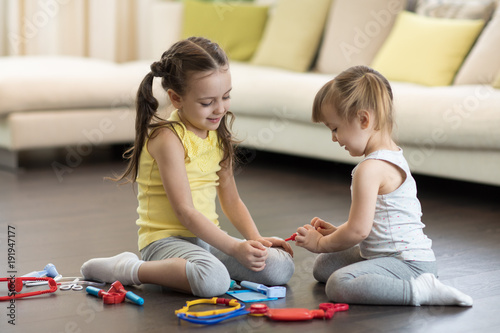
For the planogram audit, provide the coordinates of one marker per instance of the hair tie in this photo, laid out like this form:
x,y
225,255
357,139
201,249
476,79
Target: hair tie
x,y
158,68
156,74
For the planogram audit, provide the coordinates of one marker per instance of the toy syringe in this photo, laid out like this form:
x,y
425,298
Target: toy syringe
x,y
271,292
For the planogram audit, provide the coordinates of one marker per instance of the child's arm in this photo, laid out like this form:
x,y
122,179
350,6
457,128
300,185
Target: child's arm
x,y
168,151
237,212
365,187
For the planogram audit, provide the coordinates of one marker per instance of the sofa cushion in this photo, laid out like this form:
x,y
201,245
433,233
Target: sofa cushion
x,y
426,50
459,9
483,61
57,82
292,34
496,83
355,31
454,117
237,27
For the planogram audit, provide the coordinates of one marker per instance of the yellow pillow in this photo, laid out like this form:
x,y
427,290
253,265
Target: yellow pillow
x,y
236,27
292,34
426,50
496,83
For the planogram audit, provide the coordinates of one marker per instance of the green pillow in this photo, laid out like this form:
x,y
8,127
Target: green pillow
x,y
496,83
236,27
426,50
293,34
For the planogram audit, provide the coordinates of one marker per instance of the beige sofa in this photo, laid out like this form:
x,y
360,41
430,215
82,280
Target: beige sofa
x,y
447,130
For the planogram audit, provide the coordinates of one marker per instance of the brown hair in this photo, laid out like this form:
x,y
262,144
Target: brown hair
x,y
357,88
195,54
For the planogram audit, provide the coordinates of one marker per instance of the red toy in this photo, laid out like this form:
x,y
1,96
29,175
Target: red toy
x,y
16,285
326,311
115,294
291,238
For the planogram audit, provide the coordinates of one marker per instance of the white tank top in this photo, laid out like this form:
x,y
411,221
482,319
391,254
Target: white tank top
x,y
397,227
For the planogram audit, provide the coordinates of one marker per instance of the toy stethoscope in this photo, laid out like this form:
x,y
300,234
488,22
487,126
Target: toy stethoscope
x,y
325,311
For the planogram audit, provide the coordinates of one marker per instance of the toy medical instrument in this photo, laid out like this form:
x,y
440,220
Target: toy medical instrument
x,y
210,317
325,311
16,285
71,286
272,292
248,296
63,281
234,285
234,305
291,238
49,271
115,294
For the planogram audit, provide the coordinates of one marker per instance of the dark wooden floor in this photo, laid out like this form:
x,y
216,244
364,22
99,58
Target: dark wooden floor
x,y
66,213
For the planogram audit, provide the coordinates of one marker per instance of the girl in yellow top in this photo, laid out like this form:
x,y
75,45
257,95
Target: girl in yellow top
x,y
181,165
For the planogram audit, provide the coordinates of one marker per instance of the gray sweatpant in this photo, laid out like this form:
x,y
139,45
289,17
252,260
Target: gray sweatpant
x,y
209,270
384,281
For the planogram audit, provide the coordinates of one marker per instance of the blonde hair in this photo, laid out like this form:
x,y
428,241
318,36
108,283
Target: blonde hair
x,y
357,88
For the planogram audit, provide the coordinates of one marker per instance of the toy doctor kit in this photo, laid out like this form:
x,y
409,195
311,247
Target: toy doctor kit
x,y
274,292
16,284
48,271
256,292
115,294
235,309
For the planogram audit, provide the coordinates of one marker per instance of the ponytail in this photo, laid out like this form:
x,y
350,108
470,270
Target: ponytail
x,y
146,106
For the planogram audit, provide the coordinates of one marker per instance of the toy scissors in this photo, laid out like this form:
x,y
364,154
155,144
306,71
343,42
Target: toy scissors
x,y
74,285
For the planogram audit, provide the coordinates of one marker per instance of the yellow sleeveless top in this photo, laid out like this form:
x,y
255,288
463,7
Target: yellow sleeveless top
x,y
157,219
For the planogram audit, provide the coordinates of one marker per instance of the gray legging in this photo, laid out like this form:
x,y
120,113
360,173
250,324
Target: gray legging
x,y
385,281
209,270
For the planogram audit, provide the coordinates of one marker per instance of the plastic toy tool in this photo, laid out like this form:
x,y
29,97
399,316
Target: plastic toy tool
x,y
235,309
49,271
271,292
291,238
16,285
115,294
325,311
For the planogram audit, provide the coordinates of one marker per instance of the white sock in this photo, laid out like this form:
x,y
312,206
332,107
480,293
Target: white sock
x,y
428,290
123,267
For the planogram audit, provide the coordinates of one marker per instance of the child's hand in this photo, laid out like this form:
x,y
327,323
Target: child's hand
x,y
308,237
322,226
276,242
252,254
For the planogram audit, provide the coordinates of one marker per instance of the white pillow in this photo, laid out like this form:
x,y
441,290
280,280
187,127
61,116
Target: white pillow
x,y
355,31
459,9
483,61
